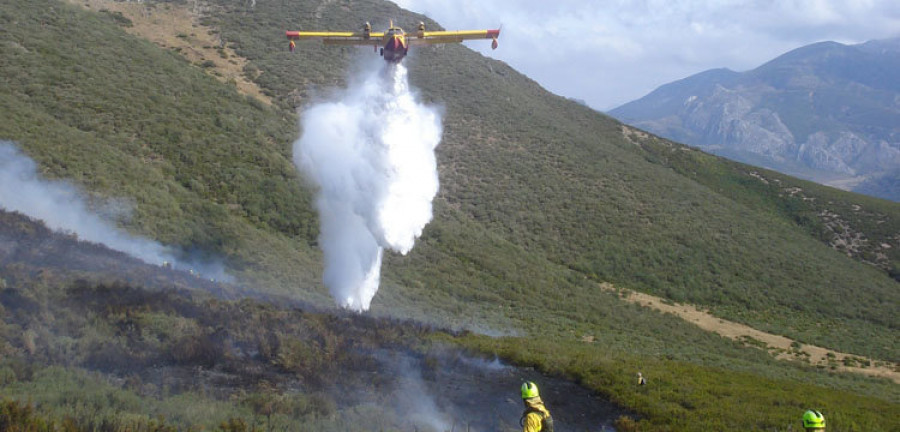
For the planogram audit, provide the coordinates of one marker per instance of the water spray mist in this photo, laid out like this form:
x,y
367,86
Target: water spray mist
x,y
371,152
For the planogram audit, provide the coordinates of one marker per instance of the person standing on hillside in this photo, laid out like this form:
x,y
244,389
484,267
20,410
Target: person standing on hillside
x,y
813,421
640,380
536,417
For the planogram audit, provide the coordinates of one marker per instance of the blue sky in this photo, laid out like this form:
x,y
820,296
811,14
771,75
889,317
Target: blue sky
x,y
614,51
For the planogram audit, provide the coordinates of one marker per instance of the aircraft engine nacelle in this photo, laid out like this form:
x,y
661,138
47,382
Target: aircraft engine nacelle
x,y
494,44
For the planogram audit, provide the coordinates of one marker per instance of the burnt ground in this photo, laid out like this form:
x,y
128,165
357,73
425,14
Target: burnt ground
x,y
453,391
243,347
448,391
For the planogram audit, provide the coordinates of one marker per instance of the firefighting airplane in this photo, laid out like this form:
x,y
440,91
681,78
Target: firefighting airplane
x,y
394,42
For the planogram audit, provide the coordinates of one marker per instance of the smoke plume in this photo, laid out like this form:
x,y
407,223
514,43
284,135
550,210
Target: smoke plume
x,y
371,152
62,208
413,400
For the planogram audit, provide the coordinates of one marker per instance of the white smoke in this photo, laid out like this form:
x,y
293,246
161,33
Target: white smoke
x,y
413,400
61,207
371,151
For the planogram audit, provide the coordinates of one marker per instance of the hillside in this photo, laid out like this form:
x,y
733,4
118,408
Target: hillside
x,y
541,200
825,112
532,184
148,347
159,336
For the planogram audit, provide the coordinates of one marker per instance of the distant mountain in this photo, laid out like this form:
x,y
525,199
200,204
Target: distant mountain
x,y
827,112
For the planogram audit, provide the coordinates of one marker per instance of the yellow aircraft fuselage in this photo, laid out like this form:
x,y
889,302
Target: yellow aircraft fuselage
x,y
394,42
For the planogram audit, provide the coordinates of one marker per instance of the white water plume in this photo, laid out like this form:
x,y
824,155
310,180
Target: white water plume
x,y
371,152
62,208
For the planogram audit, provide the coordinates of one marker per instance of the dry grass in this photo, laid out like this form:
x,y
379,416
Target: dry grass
x,y
178,28
780,346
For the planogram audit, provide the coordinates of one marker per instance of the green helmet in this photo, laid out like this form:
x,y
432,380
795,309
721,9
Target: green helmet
x,y
529,390
813,419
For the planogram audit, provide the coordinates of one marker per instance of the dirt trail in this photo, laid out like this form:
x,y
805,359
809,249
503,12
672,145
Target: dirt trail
x,y
779,346
177,27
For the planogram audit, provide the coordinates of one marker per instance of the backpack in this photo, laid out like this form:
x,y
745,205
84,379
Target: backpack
x,y
546,420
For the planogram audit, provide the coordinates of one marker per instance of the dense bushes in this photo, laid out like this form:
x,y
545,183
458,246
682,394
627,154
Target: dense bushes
x,y
208,169
199,360
205,169
195,360
540,200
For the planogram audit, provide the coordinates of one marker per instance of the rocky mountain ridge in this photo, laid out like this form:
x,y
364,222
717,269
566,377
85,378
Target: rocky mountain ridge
x,y
827,112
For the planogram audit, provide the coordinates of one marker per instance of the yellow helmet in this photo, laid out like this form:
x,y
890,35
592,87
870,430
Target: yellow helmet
x,y
529,390
813,420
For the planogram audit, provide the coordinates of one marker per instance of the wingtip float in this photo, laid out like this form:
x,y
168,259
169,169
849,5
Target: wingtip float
x,y
393,44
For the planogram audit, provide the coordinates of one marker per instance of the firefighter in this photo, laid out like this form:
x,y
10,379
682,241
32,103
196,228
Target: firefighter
x,y
535,418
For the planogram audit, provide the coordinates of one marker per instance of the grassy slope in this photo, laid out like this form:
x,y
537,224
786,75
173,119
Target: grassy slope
x,y
559,181
540,197
573,189
144,347
204,167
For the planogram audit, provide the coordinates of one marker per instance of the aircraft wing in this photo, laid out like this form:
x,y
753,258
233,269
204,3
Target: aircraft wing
x,y
439,37
338,38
